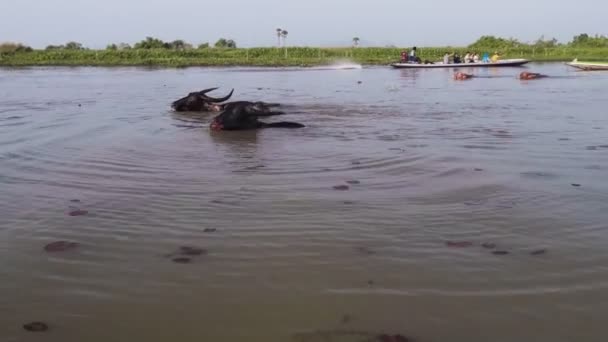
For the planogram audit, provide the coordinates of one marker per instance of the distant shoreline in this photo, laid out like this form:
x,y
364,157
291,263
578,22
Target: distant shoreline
x,y
271,57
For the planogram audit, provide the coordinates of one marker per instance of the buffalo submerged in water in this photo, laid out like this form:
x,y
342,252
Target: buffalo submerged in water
x,y
244,115
200,101
237,115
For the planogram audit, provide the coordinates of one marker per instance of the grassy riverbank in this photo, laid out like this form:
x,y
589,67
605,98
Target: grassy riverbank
x,y
293,56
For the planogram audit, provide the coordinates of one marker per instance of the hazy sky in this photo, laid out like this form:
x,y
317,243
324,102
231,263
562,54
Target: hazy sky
x,y
95,23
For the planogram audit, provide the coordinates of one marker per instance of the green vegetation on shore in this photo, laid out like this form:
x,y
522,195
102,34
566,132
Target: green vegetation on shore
x,y
154,52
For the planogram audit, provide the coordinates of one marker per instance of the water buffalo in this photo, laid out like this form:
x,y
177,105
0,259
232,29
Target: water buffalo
x,y
461,76
244,115
530,75
199,101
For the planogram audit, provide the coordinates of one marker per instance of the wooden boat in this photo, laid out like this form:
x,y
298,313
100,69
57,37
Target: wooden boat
x,y
500,63
588,65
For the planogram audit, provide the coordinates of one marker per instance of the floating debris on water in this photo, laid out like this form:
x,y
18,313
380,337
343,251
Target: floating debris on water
x,y
346,319
364,250
36,327
187,250
459,244
393,338
500,252
341,187
538,252
78,212
209,230
576,185
182,260
60,246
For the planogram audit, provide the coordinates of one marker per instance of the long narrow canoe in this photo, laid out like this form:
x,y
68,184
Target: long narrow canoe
x,y
500,63
588,65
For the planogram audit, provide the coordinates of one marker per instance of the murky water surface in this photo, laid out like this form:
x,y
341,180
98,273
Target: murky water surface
x,y
430,169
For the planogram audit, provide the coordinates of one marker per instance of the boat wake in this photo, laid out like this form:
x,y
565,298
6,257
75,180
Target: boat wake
x,y
339,65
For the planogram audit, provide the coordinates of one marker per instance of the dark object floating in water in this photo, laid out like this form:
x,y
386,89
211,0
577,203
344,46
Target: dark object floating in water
x,y
478,170
538,252
209,230
500,252
474,202
359,82
78,212
576,185
353,182
370,282
182,260
75,201
488,245
364,250
393,338
79,105
60,246
36,327
346,319
356,162
187,250
459,244
341,187
563,139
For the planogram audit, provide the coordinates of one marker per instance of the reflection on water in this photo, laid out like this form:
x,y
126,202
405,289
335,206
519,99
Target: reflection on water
x,y
411,204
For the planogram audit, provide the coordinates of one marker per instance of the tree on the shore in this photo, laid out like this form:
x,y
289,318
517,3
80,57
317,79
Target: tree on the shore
x,y
151,43
67,46
491,42
284,34
14,47
203,46
584,40
74,46
356,41
542,43
279,30
225,43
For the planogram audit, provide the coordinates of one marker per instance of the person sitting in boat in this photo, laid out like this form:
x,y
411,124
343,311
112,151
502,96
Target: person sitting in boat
x,y
446,58
486,57
413,55
457,59
475,57
495,57
467,57
404,56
